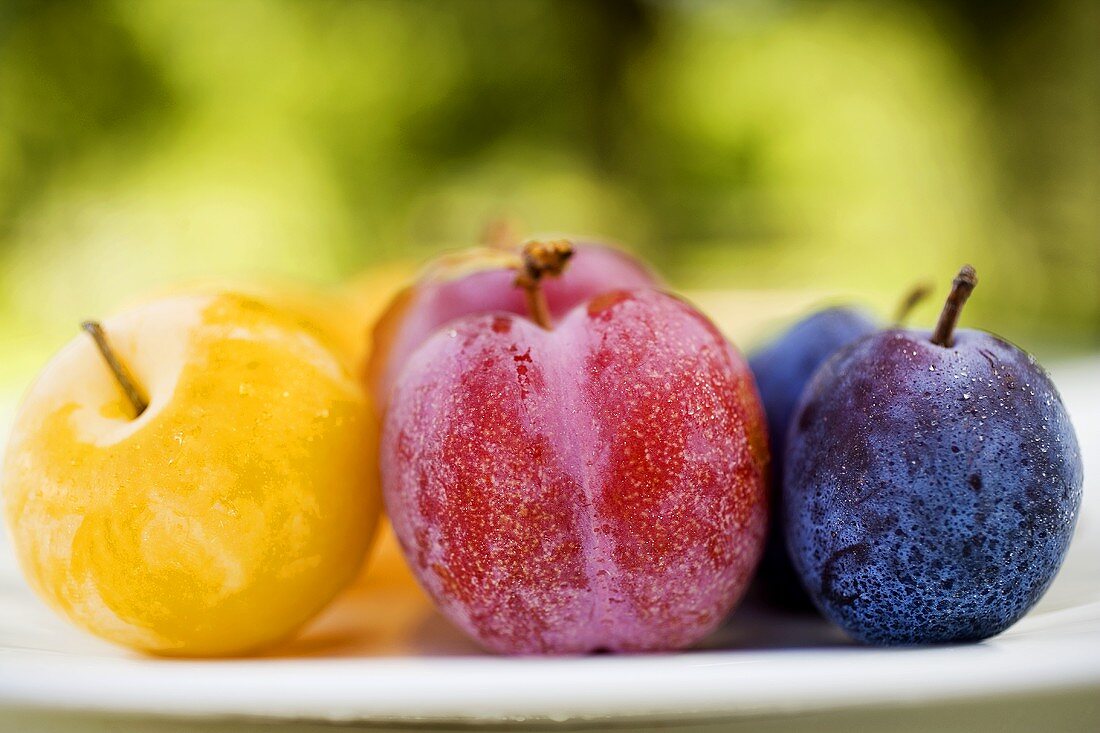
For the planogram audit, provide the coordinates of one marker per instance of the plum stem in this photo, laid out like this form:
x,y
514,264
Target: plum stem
x,y
961,287
122,375
912,299
539,260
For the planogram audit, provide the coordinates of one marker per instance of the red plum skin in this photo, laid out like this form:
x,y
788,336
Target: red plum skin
x,y
600,486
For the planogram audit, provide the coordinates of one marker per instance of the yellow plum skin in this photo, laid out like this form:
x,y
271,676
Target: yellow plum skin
x,y
226,515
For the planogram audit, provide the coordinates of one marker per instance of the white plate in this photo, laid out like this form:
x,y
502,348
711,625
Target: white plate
x,y
380,654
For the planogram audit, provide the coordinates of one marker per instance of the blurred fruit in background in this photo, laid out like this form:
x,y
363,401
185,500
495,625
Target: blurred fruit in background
x,y
364,297
782,368
342,316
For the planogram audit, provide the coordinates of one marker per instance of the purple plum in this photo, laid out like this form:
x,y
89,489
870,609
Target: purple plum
x,y
932,484
782,370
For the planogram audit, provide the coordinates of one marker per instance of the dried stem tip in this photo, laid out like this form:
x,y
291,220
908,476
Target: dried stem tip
x,y
964,284
539,260
122,375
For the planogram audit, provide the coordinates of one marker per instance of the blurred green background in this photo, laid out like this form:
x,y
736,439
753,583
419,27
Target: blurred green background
x,y
846,149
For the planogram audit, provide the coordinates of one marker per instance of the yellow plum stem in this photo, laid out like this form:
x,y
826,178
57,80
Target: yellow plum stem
x,y
122,375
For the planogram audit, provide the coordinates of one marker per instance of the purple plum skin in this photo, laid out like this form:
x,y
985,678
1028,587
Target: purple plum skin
x,y
931,492
782,370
